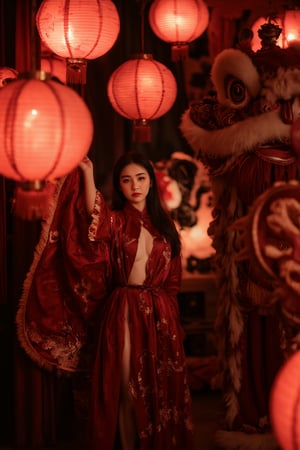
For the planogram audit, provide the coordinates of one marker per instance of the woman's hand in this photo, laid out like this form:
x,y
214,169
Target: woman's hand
x,y
87,167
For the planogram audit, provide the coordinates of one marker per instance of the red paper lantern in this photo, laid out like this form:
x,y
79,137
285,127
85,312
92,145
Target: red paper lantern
x,y
285,404
45,130
78,29
142,89
178,22
291,27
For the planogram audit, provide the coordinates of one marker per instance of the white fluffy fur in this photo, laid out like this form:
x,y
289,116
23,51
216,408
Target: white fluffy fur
x,y
284,86
236,63
236,139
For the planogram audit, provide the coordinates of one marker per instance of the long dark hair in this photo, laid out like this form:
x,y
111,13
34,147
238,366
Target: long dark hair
x,y
159,217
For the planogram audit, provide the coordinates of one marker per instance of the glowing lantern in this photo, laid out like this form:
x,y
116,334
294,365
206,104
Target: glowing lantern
x,y
285,404
142,89
178,23
45,131
289,24
291,27
78,29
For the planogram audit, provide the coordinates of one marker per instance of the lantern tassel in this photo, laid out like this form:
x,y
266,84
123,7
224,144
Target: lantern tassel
x,y
180,52
76,75
31,203
141,132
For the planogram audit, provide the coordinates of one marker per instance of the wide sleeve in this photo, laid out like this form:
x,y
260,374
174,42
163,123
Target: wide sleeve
x,y
86,255
66,285
101,221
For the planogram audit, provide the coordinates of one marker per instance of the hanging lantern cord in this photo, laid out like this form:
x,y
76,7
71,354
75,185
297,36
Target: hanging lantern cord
x,y
182,93
143,5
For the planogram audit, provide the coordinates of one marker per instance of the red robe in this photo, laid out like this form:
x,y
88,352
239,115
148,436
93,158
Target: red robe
x,y
77,285
158,378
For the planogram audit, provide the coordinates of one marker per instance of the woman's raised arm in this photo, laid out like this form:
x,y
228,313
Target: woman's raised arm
x,y
87,168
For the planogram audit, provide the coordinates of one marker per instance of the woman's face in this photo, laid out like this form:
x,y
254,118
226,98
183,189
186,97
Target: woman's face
x,y
135,184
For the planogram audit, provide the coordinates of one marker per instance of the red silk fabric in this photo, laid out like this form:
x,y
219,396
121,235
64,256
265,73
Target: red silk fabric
x,y
158,378
65,285
77,289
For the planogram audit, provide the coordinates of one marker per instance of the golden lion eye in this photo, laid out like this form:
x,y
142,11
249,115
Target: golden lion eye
x,y
236,91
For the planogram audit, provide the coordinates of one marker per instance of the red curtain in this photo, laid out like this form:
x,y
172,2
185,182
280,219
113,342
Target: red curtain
x,y
3,262
38,396
6,411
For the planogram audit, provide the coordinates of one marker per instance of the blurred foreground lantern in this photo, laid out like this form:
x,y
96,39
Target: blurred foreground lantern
x,y
285,404
178,22
78,30
142,89
45,131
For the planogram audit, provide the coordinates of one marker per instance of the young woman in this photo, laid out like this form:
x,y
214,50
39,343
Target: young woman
x,y
139,394
101,297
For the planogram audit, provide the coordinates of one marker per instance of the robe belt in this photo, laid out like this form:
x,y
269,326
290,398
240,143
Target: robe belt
x,y
145,287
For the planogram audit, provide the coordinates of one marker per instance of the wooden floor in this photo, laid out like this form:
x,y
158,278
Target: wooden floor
x,y
207,415
207,412
209,435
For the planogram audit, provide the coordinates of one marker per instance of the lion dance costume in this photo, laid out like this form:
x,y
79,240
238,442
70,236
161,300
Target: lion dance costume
x,y
244,134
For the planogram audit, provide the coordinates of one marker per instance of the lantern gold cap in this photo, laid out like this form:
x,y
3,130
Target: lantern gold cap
x,y
36,75
142,56
35,185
